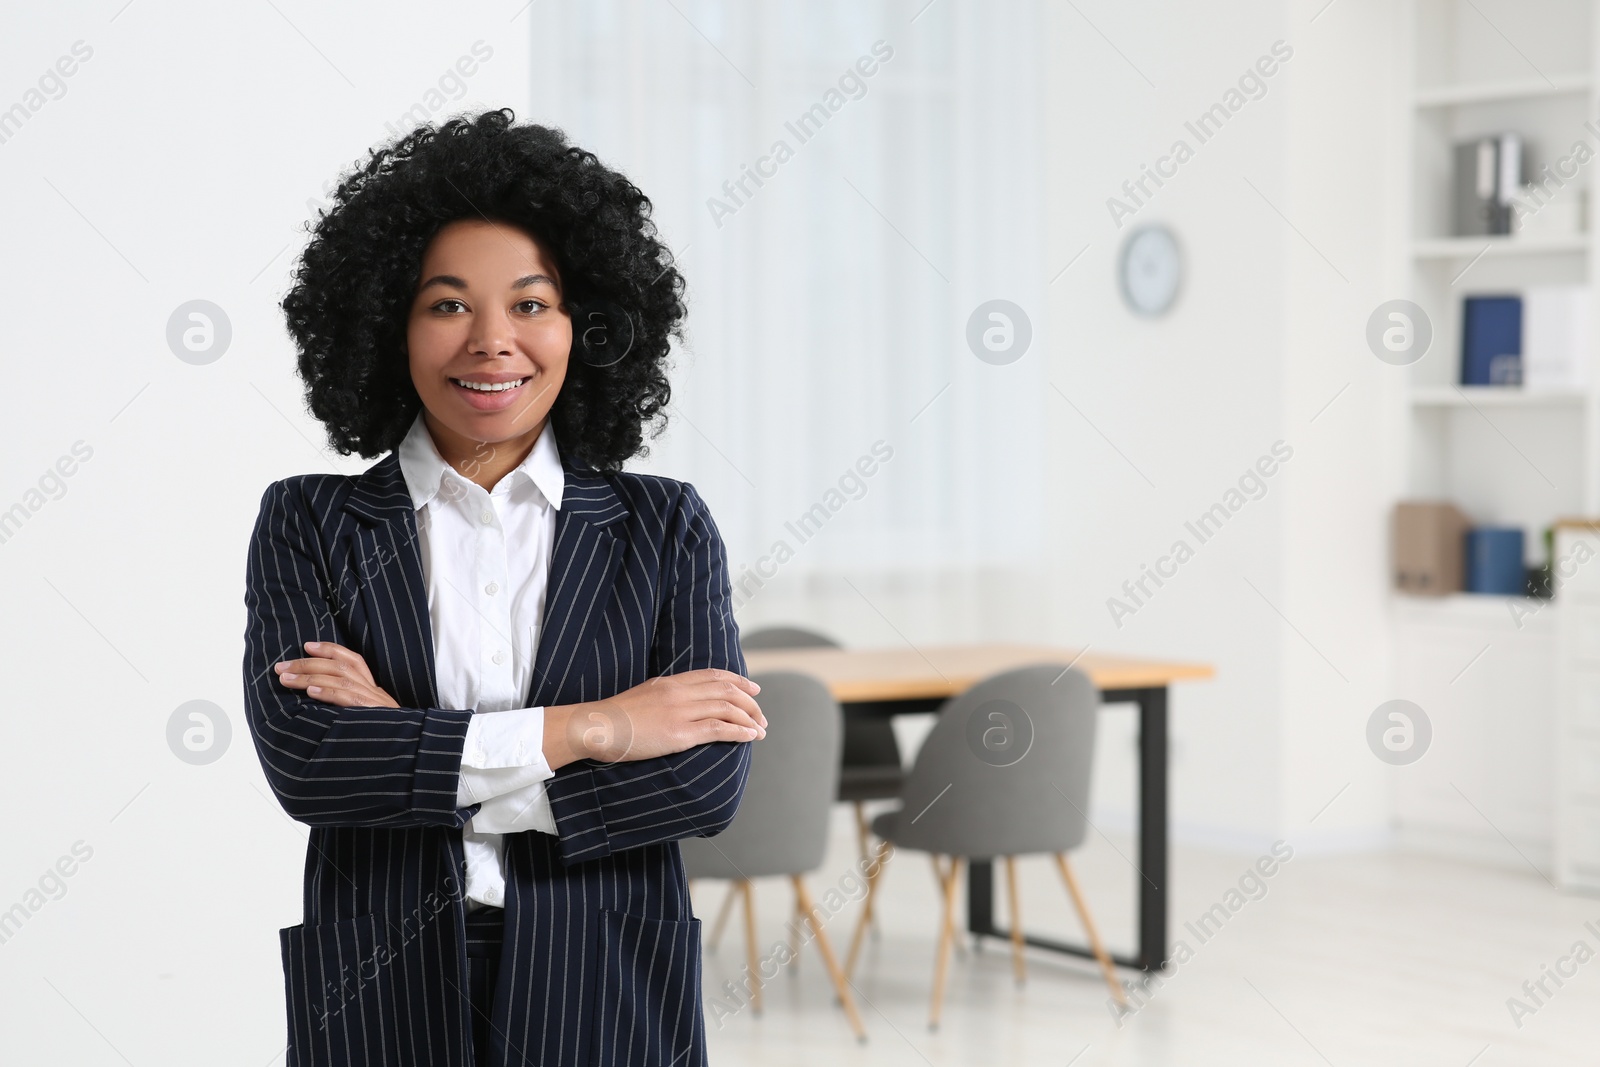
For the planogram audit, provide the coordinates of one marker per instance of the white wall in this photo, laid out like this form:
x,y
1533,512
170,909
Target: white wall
x,y
1191,399
1216,352
1264,335
1342,146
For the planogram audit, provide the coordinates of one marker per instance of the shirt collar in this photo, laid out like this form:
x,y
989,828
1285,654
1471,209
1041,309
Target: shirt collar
x,y
425,469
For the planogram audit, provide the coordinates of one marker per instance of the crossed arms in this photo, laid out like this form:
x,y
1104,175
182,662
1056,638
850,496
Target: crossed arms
x,y
659,762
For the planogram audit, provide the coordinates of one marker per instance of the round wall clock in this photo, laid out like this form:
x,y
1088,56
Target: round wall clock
x,y
1149,270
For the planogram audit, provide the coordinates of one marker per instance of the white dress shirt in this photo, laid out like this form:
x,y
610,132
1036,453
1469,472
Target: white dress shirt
x,y
486,562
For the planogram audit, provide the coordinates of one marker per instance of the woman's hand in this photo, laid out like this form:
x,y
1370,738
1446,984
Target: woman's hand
x,y
659,717
334,675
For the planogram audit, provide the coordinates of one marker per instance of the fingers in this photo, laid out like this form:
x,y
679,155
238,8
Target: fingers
x,y
713,683
722,730
620,729
333,681
302,672
718,710
343,692
716,674
732,694
323,653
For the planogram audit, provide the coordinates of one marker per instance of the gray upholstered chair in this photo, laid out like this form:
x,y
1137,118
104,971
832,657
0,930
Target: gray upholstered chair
x,y
870,767
785,637
781,828
1004,773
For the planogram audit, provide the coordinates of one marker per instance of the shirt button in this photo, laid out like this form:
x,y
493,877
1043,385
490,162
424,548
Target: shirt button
x,y
492,588
487,517
499,657
494,895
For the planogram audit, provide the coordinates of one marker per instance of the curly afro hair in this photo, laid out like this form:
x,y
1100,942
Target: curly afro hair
x,y
354,283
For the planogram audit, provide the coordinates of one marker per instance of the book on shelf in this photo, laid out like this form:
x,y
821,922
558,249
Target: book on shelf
x,y
1491,340
1556,336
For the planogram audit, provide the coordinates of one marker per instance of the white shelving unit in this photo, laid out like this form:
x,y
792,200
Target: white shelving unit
x,y
1472,248
1485,668
1506,456
1467,396
1577,808
1478,92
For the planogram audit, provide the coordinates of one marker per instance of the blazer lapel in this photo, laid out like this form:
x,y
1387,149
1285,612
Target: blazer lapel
x,y
583,570
386,565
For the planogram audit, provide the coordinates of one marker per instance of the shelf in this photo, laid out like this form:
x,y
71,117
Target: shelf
x,y
1500,396
1491,92
1511,245
1494,616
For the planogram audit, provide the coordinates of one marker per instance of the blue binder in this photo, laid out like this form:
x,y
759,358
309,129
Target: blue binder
x,y
1494,560
1491,340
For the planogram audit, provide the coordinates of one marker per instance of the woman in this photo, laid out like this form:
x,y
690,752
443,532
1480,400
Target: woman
x,y
499,677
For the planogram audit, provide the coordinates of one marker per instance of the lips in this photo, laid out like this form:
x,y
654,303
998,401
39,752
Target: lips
x,y
496,399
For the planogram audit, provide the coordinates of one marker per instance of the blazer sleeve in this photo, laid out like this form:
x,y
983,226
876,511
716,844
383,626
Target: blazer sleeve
x,y
602,808
332,765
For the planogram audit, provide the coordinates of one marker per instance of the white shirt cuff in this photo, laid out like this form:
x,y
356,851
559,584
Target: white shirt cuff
x,y
523,809
503,768
502,739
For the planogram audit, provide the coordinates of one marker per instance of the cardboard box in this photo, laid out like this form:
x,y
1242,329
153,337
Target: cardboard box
x,y
1428,547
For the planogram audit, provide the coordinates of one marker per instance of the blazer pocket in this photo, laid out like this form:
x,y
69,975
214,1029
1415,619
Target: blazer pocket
x,y
339,993
647,1010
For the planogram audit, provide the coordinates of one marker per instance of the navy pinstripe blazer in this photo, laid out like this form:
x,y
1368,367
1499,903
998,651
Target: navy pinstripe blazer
x,y
601,962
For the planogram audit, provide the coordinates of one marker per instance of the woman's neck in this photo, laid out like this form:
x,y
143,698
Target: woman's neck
x,y
482,462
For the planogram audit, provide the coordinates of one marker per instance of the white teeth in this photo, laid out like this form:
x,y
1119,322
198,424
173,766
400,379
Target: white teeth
x,y
485,388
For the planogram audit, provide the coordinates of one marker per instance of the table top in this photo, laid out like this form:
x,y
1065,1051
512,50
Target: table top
x,y
937,671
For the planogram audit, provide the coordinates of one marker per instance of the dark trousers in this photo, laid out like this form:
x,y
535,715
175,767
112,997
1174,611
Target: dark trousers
x,y
485,931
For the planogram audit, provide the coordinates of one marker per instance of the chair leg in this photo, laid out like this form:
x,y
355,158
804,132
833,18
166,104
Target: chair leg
x,y
1015,915
863,839
955,930
722,916
946,936
794,937
1106,966
752,960
873,875
803,905
949,917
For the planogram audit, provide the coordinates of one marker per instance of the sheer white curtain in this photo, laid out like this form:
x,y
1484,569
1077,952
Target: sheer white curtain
x,y
829,303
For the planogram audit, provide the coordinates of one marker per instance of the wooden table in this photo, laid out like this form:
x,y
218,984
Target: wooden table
x,y
898,681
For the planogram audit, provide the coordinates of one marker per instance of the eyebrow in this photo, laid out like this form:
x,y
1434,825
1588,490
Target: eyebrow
x,y
455,282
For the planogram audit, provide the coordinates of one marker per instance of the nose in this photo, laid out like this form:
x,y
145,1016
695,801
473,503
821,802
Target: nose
x,y
491,334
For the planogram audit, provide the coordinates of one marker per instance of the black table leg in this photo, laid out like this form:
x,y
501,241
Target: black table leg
x,y
1152,952
1152,828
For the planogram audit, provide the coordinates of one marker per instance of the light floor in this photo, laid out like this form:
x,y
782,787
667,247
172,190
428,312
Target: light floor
x,y
1389,958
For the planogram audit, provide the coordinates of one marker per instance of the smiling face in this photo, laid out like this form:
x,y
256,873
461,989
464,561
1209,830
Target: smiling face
x,y
487,341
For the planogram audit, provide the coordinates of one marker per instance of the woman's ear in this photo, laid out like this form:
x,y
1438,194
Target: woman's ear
x,y
602,332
